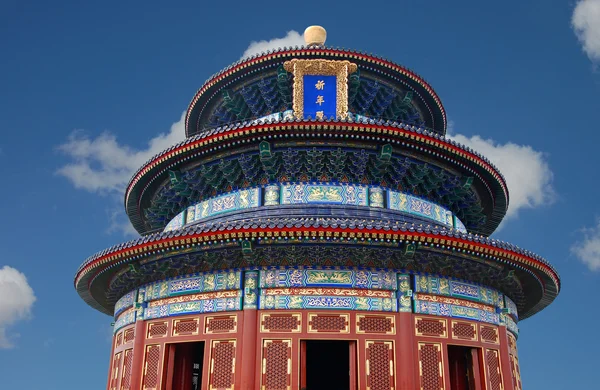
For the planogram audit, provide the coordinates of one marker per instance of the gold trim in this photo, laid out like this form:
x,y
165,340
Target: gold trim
x,y
340,69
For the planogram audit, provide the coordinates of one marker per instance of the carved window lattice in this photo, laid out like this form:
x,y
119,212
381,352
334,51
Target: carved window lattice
x,y
463,330
431,327
186,327
281,323
126,379
493,365
151,367
222,368
220,324
374,324
119,339
379,363
328,323
114,381
430,363
489,334
129,335
276,355
157,329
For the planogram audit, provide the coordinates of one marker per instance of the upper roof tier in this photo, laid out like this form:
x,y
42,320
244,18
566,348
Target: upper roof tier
x,y
260,85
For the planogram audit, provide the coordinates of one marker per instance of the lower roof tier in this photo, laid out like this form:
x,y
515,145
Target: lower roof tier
x,y
277,240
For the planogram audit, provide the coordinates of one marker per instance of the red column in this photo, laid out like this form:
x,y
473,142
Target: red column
x,y
138,355
478,374
110,361
505,359
170,372
248,363
303,364
353,373
405,344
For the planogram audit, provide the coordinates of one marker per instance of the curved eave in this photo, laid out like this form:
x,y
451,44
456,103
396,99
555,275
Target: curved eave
x,y
204,236
435,146
257,63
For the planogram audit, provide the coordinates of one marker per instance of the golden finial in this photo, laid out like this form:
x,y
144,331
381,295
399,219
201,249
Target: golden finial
x,y
315,36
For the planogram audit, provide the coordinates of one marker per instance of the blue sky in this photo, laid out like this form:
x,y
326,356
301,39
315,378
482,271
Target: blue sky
x,y
88,89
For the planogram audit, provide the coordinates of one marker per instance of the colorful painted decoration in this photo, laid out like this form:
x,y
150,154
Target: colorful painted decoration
x,y
125,302
511,325
512,308
416,206
126,318
326,302
431,305
375,197
271,195
175,223
305,193
404,294
199,283
453,288
324,193
193,307
383,280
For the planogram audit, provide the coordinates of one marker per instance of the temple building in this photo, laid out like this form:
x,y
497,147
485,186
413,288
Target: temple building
x,y
316,230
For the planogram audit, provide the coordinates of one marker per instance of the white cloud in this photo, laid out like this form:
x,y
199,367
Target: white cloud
x,y
293,38
103,165
588,250
16,300
120,223
586,24
526,171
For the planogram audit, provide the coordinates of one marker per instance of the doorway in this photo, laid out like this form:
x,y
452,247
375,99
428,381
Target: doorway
x,y
465,368
328,365
185,363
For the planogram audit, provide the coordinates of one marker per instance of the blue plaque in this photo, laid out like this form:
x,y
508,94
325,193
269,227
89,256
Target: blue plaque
x,y
320,96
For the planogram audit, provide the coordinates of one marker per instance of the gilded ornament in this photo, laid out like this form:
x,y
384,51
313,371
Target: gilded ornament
x,y
340,69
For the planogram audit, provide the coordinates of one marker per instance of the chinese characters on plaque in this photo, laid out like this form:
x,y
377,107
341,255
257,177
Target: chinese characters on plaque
x,y
320,96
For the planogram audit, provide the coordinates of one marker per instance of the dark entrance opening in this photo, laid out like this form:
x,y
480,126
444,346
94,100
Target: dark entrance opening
x,y
465,368
328,365
184,366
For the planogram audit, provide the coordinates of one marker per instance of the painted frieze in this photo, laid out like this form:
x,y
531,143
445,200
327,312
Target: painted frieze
x,y
302,193
382,280
511,308
416,206
453,288
175,223
126,318
327,302
219,301
217,281
125,302
455,308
